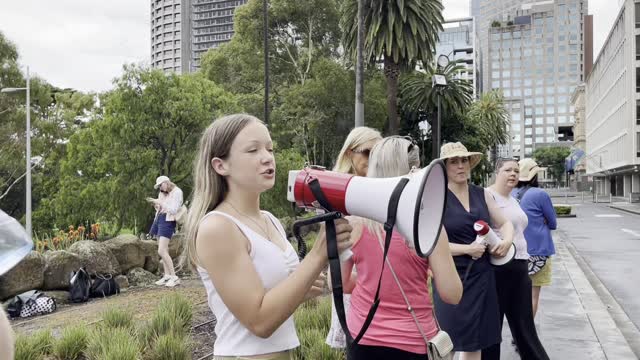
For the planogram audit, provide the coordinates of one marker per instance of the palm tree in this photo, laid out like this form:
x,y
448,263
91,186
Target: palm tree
x,y
400,32
491,119
418,94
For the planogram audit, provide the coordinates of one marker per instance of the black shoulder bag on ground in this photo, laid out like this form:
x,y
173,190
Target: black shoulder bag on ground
x,y
332,252
104,285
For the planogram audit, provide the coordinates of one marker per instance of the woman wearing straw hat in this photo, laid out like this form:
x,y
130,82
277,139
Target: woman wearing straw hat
x,y
537,204
167,206
474,323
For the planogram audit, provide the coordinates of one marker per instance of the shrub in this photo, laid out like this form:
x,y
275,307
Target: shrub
x,y
313,320
179,308
170,347
562,209
112,344
72,343
116,318
34,346
161,323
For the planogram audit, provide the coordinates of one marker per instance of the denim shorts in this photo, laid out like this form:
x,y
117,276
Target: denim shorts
x,y
162,227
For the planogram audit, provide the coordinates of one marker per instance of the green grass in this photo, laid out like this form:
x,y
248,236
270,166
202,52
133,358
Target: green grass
x,y
72,344
170,347
117,318
313,320
112,344
34,346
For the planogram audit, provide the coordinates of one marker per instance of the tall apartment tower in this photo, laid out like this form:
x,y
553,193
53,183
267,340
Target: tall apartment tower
x,y
458,42
534,53
183,30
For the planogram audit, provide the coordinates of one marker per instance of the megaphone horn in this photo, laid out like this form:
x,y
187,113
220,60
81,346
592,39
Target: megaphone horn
x,y
420,208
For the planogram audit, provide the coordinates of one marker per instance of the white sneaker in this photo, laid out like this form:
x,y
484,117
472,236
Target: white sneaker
x,y
163,280
173,281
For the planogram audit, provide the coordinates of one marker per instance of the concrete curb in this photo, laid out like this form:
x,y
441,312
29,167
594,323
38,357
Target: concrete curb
x,y
625,210
611,334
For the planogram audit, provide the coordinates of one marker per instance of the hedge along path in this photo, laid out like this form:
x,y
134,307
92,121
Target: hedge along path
x,y
140,301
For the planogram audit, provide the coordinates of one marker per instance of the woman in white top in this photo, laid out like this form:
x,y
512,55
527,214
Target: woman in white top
x,y
167,205
512,280
251,273
352,159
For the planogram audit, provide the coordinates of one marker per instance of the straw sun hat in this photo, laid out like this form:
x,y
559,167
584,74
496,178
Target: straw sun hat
x,y
528,169
451,150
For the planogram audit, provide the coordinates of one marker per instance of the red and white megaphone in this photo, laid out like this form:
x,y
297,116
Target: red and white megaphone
x,y
420,208
486,235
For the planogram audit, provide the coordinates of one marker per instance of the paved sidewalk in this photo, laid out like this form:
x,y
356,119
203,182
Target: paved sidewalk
x,y
633,208
573,322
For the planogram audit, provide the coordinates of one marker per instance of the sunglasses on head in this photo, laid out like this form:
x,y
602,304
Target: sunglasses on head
x,y
364,152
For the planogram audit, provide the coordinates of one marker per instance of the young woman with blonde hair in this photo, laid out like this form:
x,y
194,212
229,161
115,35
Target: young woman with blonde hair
x,y
352,159
394,333
251,273
167,205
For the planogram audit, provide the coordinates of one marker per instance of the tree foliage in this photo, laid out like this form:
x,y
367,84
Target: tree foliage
x,y
401,33
553,158
151,125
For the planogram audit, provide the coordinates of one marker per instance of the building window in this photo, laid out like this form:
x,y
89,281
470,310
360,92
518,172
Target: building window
x,y
638,144
637,44
637,15
637,112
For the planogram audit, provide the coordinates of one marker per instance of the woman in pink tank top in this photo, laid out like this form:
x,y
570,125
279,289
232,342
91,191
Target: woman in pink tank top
x,y
393,333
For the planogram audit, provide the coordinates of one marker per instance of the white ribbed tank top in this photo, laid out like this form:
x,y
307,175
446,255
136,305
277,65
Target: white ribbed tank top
x,y
272,265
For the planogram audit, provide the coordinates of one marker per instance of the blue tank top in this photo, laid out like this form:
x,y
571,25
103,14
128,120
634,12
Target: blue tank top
x,y
459,225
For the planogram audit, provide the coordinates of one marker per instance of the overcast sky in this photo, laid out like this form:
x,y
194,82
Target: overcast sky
x,y
83,44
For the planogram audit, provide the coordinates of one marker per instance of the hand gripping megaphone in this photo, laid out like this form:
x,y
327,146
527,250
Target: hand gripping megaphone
x,y
420,207
485,235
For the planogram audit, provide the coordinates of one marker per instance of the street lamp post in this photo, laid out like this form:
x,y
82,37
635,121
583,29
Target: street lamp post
x,y
265,29
439,82
28,140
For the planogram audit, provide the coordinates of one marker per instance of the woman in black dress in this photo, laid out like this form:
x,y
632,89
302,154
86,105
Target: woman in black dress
x,y
473,324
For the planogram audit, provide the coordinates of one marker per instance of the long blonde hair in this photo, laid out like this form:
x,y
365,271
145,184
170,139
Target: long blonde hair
x,y
210,188
356,138
391,157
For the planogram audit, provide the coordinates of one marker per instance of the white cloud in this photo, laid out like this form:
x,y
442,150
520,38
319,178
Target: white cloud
x,y
84,43
75,43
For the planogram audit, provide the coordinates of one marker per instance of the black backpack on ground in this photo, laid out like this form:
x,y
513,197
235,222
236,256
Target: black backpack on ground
x,y
104,285
79,286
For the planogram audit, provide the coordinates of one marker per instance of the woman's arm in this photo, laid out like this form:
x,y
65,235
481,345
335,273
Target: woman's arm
x,y
173,202
548,211
444,271
226,259
499,221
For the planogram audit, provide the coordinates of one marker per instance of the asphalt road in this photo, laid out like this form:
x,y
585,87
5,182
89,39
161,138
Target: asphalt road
x,y
609,241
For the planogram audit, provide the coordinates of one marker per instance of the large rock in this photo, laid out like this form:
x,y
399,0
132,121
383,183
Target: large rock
x,y
152,261
176,245
58,267
27,275
96,257
140,276
122,281
129,251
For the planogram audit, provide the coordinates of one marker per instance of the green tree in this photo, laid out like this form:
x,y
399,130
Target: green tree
x,y
398,32
491,118
151,125
553,158
417,92
316,117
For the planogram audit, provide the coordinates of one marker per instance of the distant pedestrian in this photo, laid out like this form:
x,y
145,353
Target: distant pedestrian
x,y
512,279
541,216
167,206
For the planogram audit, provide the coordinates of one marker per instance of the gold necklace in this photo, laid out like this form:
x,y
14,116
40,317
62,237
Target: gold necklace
x,y
253,221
